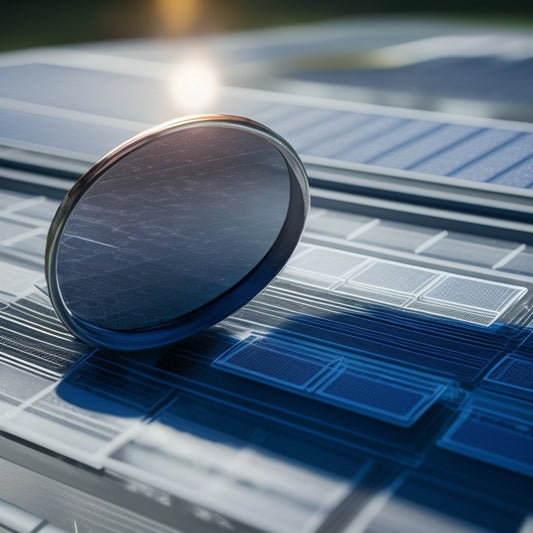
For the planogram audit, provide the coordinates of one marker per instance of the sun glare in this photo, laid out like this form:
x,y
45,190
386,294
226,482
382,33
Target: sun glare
x,y
194,85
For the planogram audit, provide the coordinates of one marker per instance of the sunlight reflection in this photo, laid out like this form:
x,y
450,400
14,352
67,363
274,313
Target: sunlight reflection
x,y
194,85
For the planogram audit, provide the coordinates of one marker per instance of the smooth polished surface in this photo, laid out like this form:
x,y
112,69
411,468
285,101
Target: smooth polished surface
x,y
144,247
173,224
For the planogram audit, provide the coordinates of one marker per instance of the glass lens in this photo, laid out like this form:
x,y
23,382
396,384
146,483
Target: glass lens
x,y
171,226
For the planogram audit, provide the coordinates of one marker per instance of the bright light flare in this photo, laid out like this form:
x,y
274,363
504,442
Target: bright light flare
x,y
194,85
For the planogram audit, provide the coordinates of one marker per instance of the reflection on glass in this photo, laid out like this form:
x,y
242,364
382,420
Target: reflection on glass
x,y
174,230
194,85
142,247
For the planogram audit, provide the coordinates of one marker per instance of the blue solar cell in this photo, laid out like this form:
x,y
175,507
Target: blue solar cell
x,y
373,394
526,348
377,390
361,132
441,148
521,175
513,375
433,344
273,365
420,150
338,124
498,163
100,378
466,152
498,431
92,140
492,438
79,89
405,133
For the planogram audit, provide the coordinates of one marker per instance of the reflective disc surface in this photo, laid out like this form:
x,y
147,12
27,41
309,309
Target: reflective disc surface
x,y
174,230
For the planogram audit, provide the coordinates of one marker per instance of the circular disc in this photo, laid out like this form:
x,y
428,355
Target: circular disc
x,y
174,230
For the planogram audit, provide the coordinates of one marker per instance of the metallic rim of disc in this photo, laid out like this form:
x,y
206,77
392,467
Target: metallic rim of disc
x,y
224,304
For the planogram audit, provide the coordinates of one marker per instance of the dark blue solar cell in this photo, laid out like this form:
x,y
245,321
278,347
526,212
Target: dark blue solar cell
x,y
526,348
491,436
353,388
411,339
273,365
375,390
497,431
98,378
513,375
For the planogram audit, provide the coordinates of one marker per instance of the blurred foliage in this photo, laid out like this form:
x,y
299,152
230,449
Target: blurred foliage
x,y
45,22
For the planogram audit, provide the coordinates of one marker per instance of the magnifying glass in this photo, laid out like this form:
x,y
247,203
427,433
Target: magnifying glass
x,y
174,230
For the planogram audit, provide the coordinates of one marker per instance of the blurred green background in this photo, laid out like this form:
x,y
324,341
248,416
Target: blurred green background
x,y
42,22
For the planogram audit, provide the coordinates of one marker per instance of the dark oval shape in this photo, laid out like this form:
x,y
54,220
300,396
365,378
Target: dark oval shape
x,y
174,230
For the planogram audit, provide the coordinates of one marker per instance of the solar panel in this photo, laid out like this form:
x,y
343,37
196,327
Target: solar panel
x,y
381,382
493,429
499,153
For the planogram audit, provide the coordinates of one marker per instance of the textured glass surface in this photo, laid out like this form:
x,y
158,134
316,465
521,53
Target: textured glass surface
x,y
513,375
172,226
338,377
394,276
459,348
494,429
469,292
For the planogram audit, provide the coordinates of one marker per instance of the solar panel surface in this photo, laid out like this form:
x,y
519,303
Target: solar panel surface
x,y
382,382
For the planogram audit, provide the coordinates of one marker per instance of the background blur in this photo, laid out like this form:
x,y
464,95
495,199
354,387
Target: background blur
x,y
45,22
